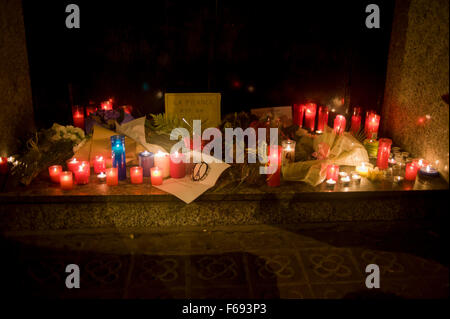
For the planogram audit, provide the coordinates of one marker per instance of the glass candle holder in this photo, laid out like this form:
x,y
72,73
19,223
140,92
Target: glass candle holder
x,y
339,124
275,153
146,161
162,160
156,176
101,178
331,183
66,180
82,173
78,116
4,165
298,113
54,172
356,178
177,165
345,181
99,164
356,120
72,164
372,125
136,175
112,176
405,155
118,155
410,172
310,116
322,118
384,149
333,172
288,154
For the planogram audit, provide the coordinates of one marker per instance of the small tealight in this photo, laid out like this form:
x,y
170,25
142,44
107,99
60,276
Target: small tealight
x,y
356,178
397,179
345,181
101,178
343,174
331,183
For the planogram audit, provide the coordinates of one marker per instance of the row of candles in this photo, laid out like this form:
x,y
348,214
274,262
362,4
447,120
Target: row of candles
x,y
156,166
304,115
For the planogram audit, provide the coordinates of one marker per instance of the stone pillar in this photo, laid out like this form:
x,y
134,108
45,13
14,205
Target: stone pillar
x,y
414,113
16,107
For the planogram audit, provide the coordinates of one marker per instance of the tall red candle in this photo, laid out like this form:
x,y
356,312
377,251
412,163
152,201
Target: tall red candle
x,y
3,165
82,173
310,116
99,164
177,165
333,172
372,124
78,116
299,111
136,175
410,172
54,172
356,120
323,118
273,180
384,149
339,124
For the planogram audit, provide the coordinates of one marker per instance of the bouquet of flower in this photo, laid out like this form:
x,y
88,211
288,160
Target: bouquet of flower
x,y
47,147
107,119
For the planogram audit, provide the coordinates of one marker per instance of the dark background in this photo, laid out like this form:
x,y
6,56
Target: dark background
x,y
286,51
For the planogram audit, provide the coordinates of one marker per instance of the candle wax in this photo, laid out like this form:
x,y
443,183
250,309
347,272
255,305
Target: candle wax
x,y
66,180
136,175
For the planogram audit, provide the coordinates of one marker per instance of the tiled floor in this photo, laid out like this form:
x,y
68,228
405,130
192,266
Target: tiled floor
x,y
230,262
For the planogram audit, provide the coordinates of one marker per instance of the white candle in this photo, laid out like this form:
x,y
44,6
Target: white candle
x,y
331,183
162,160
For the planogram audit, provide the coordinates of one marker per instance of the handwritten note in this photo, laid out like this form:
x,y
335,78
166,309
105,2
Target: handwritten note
x,y
194,106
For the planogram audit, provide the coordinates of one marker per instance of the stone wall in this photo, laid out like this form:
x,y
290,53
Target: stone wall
x,y
414,112
16,108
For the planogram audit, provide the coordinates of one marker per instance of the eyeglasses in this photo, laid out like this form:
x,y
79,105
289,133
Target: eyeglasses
x,y
200,171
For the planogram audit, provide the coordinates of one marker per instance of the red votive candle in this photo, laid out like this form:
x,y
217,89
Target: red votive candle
x,y
333,172
323,118
310,116
112,176
156,177
356,120
78,116
72,164
410,172
54,172
299,111
3,165
136,175
273,180
372,124
82,173
339,124
384,149
99,164
177,166
66,180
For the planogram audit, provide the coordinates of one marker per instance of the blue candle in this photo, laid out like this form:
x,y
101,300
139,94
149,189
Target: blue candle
x,y
146,161
118,155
